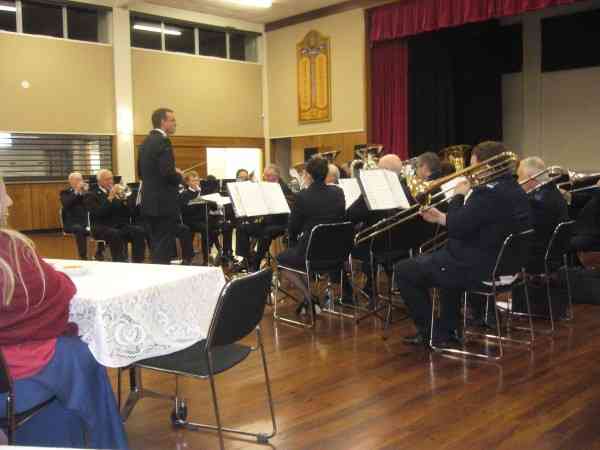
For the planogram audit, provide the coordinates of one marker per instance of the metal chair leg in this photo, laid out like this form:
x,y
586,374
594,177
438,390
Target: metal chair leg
x,y
215,402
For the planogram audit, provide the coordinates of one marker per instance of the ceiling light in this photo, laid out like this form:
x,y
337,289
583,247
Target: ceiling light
x,y
256,3
8,8
156,29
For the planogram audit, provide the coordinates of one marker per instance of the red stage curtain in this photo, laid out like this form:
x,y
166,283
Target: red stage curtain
x,y
389,96
410,17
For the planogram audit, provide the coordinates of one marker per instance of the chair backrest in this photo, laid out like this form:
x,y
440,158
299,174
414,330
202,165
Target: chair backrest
x,y
559,242
514,254
240,308
329,245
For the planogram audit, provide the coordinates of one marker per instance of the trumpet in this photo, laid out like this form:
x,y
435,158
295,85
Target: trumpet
x,y
423,192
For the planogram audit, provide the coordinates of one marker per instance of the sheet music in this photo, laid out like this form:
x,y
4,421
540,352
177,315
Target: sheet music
x,y
448,188
257,199
236,200
252,199
217,198
374,186
398,194
351,190
274,198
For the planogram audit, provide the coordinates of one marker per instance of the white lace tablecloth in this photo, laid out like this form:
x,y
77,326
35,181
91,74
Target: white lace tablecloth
x,y
129,312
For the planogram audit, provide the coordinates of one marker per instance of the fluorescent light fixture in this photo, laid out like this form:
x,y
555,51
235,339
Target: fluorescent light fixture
x,y
8,8
256,3
156,29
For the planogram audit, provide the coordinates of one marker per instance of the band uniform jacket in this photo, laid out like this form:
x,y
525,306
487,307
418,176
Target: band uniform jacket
x,y
318,204
160,181
477,229
74,211
588,219
548,208
106,213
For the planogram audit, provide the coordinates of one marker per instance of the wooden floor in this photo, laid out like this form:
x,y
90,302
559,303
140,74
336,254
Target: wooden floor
x,y
344,387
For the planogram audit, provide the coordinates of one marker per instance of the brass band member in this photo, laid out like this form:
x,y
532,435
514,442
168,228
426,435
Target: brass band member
x,y
110,216
333,175
74,213
242,175
478,221
265,230
195,216
587,228
318,204
548,208
429,166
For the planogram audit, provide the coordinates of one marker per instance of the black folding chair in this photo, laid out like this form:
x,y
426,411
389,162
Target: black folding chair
x,y
328,250
556,260
510,262
238,312
12,419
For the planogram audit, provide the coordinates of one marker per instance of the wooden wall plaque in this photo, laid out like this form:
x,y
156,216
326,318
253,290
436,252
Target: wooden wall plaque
x,y
314,73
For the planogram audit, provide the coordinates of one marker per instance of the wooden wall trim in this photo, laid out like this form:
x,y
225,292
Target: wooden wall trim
x,y
348,5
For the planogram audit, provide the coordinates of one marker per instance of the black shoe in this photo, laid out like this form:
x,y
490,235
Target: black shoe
x,y
449,339
99,256
417,339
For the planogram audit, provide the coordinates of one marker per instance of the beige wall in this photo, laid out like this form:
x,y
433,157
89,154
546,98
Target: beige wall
x,y
211,97
346,31
71,85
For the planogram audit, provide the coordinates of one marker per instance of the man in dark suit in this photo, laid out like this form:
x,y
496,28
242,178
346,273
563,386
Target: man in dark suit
x,y
478,221
74,213
586,237
110,217
265,229
160,186
548,208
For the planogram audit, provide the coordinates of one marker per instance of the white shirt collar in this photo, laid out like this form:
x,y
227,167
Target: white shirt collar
x,y
160,131
102,189
190,189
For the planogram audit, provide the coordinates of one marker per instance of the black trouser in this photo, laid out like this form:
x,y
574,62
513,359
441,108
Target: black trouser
x,y
186,241
414,279
81,233
264,235
363,254
224,228
162,231
117,237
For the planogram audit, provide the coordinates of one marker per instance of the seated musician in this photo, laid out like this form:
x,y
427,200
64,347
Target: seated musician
x,y
45,358
317,204
478,221
194,216
548,208
220,221
110,217
429,166
74,214
586,237
333,175
242,175
265,230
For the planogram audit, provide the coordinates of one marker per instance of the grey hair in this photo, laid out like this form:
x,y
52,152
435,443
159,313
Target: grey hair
x,y
274,168
534,165
333,170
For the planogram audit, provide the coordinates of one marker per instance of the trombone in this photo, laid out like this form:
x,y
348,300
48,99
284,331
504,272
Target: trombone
x,y
478,174
549,175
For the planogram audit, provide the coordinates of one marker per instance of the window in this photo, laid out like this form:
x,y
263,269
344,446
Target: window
x,y
41,18
39,157
212,43
146,34
82,24
242,47
156,33
179,39
223,163
8,15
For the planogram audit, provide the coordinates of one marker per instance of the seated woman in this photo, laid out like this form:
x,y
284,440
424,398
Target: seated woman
x,y
318,204
45,358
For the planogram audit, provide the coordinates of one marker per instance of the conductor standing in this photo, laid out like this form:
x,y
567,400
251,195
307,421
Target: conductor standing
x,y
160,185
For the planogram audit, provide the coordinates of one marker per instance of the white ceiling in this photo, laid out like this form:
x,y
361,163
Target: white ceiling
x,y
232,8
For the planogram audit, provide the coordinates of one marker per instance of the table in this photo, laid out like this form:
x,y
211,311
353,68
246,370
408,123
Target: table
x,y
130,312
